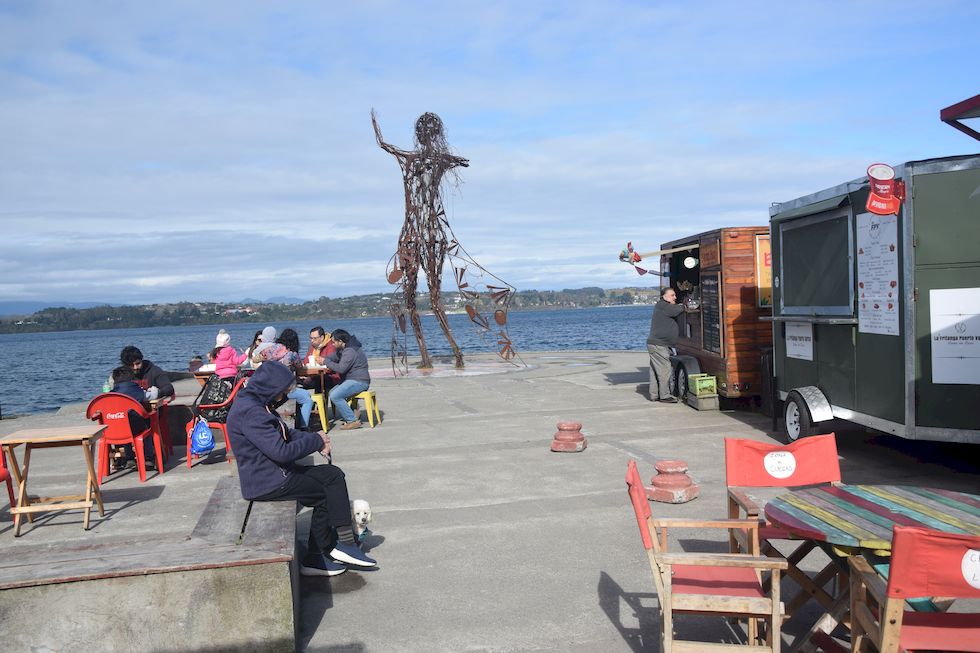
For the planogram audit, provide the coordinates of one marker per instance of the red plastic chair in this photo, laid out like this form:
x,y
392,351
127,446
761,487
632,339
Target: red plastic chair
x,y
723,584
164,424
751,464
196,412
924,563
112,410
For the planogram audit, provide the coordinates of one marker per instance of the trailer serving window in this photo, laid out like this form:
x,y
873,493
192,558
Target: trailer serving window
x,y
816,264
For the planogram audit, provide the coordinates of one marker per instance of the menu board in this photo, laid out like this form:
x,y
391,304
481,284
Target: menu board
x,y
710,313
877,268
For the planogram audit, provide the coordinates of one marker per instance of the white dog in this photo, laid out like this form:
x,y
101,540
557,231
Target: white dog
x,y
361,516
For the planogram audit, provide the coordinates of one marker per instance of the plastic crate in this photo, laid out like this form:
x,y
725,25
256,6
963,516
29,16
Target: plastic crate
x,y
702,385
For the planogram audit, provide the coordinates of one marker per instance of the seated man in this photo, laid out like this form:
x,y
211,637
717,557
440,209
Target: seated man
x,y
352,365
321,348
147,374
267,451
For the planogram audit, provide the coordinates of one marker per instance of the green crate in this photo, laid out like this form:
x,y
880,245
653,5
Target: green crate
x,y
702,385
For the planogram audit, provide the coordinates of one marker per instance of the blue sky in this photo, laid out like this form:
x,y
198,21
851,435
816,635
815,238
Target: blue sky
x,y
154,152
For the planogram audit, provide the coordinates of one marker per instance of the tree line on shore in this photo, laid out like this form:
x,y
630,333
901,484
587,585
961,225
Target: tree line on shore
x,y
193,313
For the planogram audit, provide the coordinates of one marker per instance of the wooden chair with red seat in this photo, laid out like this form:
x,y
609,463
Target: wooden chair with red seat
x,y
202,410
721,584
112,410
751,464
924,563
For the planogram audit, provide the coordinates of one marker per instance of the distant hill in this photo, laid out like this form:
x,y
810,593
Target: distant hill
x,y
275,300
18,309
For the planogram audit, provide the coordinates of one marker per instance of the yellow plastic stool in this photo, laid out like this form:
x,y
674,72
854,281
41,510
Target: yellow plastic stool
x,y
320,401
370,405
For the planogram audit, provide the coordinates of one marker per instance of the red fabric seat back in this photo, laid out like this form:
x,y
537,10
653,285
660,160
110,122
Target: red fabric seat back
x,y
638,497
929,563
808,461
112,411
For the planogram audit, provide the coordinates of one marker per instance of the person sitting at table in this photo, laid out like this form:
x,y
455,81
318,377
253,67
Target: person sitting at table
x,y
267,452
124,382
351,363
286,351
256,340
321,347
148,375
226,358
267,338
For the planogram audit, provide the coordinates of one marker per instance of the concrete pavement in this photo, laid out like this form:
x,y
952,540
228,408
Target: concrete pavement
x,y
487,540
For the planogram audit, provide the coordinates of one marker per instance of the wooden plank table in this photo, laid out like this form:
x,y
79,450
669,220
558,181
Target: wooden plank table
x,y
81,436
851,520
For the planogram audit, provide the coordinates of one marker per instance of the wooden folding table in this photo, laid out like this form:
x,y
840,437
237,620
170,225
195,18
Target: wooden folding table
x,y
850,520
78,436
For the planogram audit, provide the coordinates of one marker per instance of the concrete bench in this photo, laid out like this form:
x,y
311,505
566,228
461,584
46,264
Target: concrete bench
x,y
205,591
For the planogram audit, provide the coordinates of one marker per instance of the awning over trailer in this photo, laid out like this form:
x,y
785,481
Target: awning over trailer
x,y
813,209
961,110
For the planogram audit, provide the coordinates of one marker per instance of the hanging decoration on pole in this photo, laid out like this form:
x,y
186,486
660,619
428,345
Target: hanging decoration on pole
x,y
426,242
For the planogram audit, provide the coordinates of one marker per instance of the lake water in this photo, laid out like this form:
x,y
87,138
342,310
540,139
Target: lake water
x,y
44,371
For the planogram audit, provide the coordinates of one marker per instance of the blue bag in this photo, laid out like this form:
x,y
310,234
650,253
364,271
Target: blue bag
x,y
202,440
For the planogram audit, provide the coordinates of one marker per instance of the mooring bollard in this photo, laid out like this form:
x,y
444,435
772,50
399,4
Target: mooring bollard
x,y
672,484
569,438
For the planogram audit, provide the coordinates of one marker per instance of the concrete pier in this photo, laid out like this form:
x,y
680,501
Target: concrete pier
x,y
486,540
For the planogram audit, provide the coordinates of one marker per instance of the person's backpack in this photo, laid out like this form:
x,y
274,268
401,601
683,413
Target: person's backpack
x,y
215,391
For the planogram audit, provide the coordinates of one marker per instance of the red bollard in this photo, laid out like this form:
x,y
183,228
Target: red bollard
x,y
569,438
672,484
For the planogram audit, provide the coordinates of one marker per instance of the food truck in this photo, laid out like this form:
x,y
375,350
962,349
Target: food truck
x,y
723,277
876,302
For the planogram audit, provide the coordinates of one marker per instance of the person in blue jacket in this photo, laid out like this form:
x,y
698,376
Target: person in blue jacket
x,y
267,450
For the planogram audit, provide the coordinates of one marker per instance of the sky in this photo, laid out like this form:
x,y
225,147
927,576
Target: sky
x,y
213,151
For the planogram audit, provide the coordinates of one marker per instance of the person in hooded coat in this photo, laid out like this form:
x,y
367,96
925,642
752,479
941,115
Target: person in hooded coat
x,y
267,452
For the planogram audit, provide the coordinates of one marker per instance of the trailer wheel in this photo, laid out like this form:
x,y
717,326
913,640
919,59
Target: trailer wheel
x,y
680,381
796,418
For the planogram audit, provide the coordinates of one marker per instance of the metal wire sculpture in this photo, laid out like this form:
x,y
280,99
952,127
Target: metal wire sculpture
x,y
426,241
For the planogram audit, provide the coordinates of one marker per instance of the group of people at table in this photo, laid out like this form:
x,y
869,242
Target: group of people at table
x,y
339,355
267,450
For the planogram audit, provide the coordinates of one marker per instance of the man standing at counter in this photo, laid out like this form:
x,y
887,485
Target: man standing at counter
x,y
665,329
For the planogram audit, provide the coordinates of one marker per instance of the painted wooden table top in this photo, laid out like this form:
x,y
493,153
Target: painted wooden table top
x,y
862,516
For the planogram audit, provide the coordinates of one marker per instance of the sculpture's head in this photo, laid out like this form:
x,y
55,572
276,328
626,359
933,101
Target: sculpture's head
x,y
429,133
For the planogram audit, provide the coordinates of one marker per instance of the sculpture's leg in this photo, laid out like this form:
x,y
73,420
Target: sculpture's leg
x,y
443,322
411,283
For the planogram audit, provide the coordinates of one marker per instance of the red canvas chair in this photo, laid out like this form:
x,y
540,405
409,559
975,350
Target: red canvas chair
x,y
199,409
924,563
722,584
112,410
751,464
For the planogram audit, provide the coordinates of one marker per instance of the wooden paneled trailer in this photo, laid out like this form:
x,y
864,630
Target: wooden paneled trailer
x,y
724,278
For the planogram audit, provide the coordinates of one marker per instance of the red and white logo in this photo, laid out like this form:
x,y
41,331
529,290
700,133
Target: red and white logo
x,y
887,192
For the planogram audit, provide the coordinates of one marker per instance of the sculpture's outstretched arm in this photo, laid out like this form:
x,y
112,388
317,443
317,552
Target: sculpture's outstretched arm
x,y
390,149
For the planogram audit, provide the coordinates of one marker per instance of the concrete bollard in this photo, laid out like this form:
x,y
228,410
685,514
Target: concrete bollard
x,y
569,438
672,484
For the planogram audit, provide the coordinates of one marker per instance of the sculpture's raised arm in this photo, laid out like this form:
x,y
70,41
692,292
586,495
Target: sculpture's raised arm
x,y
390,149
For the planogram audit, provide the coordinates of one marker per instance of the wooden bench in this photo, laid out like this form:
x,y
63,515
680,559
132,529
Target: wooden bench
x,y
214,572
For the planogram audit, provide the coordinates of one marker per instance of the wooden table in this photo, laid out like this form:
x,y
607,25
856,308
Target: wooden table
x,y
80,436
858,519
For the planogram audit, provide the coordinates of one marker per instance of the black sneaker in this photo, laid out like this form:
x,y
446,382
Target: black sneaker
x,y
669,400
351,555
320,565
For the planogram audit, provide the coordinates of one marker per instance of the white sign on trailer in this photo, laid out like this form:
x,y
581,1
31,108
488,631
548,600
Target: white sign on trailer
x,y
954,319
799,340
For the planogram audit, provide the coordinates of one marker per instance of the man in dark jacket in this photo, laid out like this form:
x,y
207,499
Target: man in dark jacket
x,y
267,451
351,363
665,328
147,374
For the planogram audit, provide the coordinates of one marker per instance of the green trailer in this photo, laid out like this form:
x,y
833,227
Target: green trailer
x,y
876,314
